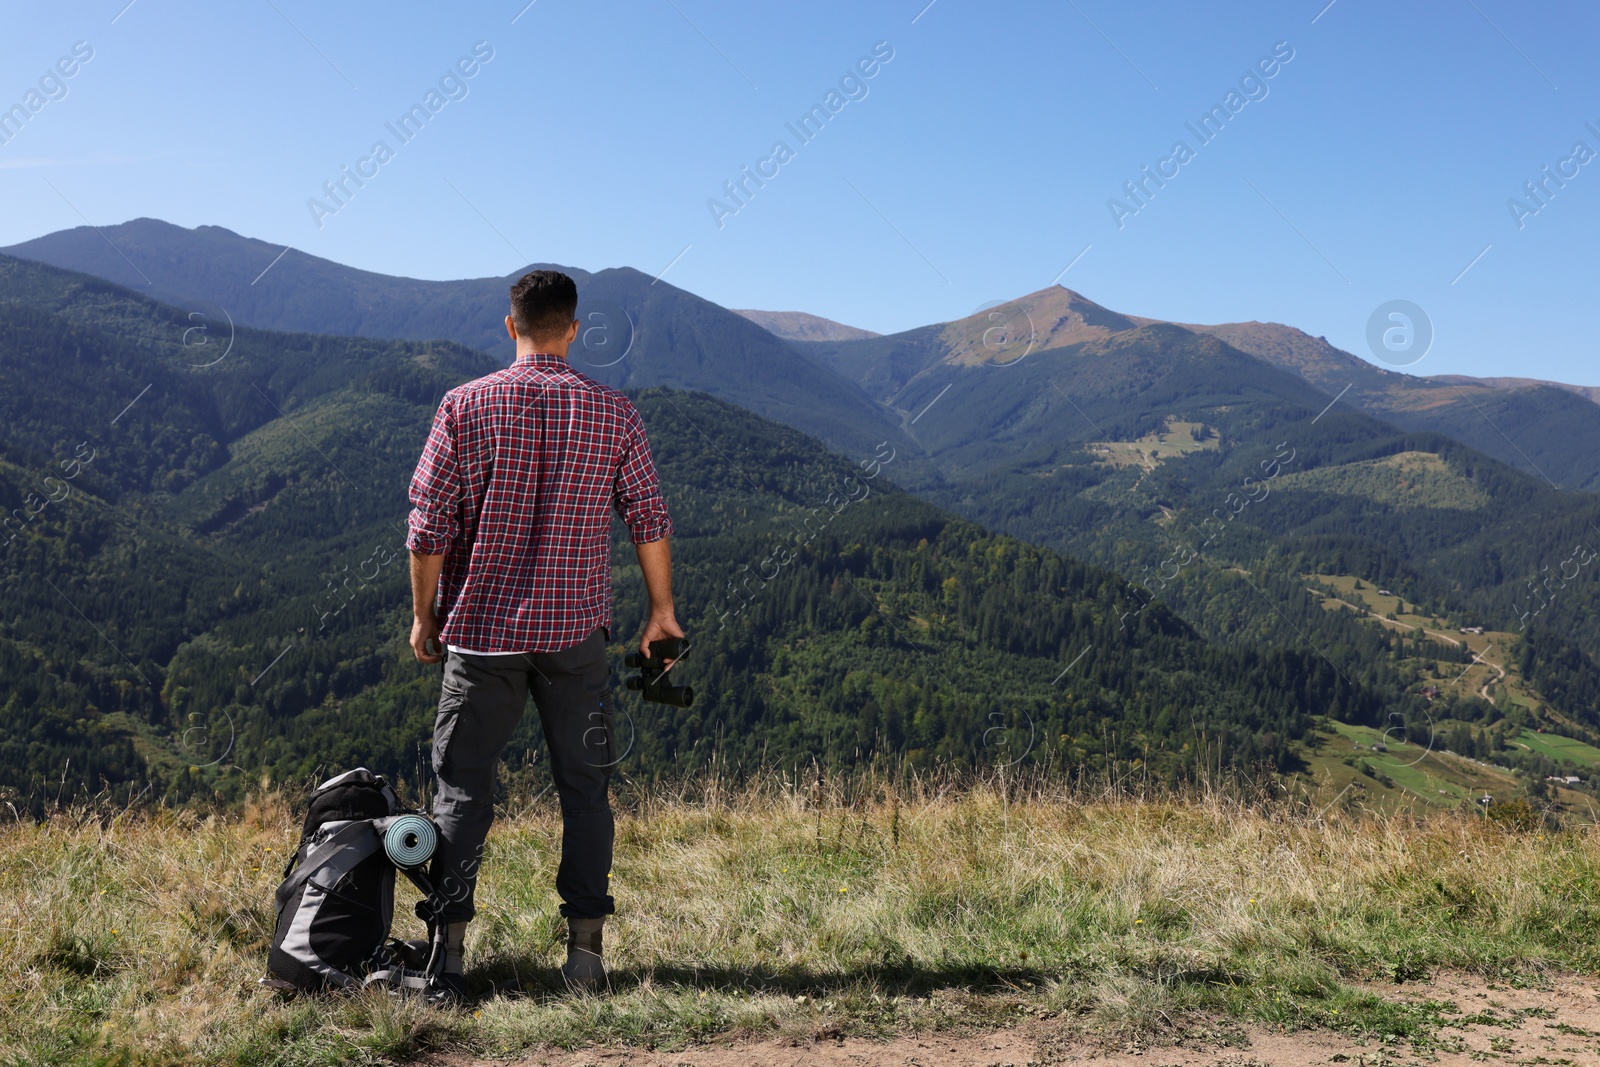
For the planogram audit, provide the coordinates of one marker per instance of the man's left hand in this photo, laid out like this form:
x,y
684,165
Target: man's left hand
x,y
660,624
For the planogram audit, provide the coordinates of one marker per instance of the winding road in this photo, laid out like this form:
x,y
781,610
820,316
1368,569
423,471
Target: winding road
x,y
1483,690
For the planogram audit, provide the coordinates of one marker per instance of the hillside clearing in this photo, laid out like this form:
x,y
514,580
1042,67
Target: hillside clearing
x,y
1175,438
1404,480
1492,672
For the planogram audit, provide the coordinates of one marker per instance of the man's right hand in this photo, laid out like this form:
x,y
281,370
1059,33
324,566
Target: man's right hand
x,y
423,630
424,622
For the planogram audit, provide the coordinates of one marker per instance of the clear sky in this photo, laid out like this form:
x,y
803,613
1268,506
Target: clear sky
x,y
974,165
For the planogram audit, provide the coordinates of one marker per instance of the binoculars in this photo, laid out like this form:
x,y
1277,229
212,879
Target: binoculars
x,y
651,680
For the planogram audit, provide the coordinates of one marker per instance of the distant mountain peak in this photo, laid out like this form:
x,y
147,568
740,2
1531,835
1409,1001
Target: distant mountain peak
x,y
803,326
1053,317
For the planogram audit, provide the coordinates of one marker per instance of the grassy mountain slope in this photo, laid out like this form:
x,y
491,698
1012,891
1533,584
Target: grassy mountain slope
x,y
1532,425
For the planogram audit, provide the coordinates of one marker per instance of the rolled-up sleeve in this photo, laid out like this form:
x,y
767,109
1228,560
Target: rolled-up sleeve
x,y
637,495
436,488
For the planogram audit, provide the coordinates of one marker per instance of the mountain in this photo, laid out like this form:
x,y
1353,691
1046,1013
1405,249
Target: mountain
x,y
1588,392
641,332
1228,488
205,583
1315,358
636,331
1528,423
1152,448
800,326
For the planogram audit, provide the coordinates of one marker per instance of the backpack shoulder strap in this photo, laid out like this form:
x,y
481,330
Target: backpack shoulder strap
x,y
339,853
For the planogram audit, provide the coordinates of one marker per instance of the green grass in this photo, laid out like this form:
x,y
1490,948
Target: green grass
x,y
136,938
1561,748
1424,774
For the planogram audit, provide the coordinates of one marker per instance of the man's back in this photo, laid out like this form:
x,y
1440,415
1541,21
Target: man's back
x,y
515,487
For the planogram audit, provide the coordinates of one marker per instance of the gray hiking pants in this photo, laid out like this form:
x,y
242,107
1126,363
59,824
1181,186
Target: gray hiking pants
x,y
480,705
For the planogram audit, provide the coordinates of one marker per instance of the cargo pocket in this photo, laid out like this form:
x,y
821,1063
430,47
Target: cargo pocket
x,y
451,700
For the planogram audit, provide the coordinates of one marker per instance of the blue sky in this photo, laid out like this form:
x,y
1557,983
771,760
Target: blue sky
x,y
974,165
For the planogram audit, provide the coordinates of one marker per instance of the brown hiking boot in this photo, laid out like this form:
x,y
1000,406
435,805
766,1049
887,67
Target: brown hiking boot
x,y
584,971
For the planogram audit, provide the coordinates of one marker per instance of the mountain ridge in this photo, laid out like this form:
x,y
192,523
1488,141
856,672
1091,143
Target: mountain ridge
x,y
803,326
637,331
1142,449
1528,423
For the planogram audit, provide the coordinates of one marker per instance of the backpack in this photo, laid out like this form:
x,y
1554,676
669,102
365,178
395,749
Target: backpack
x,y
336,903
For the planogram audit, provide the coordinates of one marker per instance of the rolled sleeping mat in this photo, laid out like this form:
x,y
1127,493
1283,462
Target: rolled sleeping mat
x,y
410,840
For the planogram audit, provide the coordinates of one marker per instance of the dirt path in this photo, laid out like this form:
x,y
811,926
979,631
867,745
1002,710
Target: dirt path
x,y
1395,623
1484,690
1484,1022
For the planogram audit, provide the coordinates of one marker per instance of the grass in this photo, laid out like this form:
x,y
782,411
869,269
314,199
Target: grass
x,y
135,938
1174,439
1413,773
1561,748
1408,764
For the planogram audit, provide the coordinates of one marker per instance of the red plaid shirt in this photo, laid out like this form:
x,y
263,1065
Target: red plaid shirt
x,y
515,489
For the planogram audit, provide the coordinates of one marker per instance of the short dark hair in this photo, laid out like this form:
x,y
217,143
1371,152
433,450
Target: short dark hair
x,y
543,304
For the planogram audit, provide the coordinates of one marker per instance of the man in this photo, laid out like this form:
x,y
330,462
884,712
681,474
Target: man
x,y
511,573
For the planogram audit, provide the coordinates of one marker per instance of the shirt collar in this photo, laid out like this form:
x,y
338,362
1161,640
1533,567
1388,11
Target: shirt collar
x,y
540,359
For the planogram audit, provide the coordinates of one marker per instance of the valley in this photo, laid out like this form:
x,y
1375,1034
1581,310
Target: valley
x,y
1193,487
1423,763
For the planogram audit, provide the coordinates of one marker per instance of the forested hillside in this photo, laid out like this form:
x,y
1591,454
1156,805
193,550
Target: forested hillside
x,y
1040,418
206,556
1216,482
208,583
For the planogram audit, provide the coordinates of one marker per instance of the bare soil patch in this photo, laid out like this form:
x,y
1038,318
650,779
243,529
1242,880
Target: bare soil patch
x,y
1556,1022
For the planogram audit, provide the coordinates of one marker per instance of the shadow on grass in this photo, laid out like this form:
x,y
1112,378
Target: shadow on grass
x,y
534,974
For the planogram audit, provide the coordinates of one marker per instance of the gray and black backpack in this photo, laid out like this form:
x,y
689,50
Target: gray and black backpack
x,y
336,903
